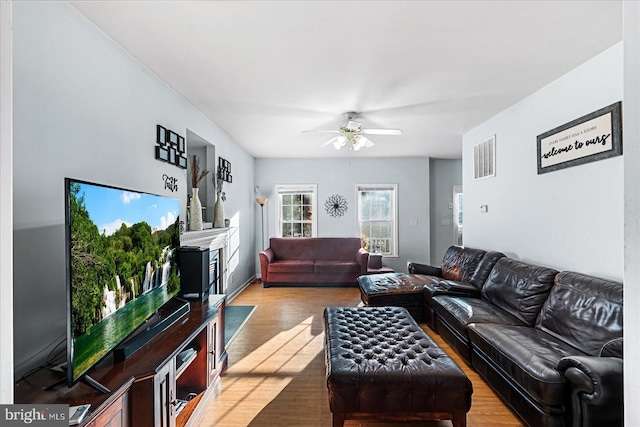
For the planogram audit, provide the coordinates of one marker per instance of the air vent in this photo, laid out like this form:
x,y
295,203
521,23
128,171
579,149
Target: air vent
x,y
484,159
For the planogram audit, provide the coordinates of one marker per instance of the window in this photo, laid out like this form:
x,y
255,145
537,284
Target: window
x,y
377,218
296,205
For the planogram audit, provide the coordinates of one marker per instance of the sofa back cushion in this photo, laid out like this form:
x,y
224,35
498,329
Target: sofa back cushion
x,y
315,248
482,271
519,288
585,312
459,263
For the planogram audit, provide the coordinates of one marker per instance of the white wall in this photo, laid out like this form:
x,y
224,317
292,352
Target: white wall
x,y
85,108
570,219
340,176
631,137
444,174
6,205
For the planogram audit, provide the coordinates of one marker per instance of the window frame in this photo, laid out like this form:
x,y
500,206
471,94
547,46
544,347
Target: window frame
x,y
394,253
282,189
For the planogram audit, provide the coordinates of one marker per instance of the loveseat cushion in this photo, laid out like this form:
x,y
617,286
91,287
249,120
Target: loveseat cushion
x,y
315,248
586,312
291,266
526,355
519,288
321,266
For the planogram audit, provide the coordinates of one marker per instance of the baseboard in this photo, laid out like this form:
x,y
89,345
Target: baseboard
x,y
238,291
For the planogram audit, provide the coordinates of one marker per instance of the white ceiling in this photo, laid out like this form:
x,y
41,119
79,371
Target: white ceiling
x,y
264,71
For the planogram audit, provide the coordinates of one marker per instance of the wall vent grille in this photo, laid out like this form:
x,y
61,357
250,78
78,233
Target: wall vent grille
x,y
484,159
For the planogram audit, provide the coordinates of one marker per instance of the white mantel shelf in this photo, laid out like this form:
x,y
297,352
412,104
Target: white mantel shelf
x,y
213,238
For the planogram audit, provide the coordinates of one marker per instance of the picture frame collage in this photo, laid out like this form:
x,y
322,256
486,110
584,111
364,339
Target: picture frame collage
x,y
171,147
224,170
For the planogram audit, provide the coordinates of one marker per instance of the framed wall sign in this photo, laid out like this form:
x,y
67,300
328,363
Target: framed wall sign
x,y
593,137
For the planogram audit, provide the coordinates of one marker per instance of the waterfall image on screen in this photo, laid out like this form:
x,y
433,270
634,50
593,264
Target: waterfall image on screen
x,y
122,267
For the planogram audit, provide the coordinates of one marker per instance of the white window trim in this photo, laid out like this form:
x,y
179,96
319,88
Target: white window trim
x,y
395,212
293,187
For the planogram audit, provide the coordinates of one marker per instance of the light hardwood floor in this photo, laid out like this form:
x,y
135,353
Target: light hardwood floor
x,y
276,373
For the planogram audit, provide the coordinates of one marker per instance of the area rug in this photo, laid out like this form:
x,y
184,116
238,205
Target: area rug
x,y
235,316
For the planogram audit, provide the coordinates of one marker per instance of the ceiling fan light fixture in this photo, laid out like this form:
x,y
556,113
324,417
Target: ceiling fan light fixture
x,y
339,142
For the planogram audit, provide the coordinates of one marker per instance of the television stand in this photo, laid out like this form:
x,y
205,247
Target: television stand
x,y
179,368
85,379
93,383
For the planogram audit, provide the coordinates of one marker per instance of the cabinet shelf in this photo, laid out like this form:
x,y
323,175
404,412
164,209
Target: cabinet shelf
x,y
184,359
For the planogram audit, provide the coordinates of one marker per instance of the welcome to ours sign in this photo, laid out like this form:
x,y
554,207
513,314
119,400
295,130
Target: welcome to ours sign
x,y
595,136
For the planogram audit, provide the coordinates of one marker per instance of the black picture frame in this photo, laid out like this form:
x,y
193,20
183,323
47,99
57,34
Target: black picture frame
x,y
161,135
595,136
181,162
162,153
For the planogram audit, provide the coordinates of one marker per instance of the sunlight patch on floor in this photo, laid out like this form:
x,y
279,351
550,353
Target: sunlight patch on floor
x,y
258,378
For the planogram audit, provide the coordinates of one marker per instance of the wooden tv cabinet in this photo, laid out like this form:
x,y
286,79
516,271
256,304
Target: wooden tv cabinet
x,y
163,383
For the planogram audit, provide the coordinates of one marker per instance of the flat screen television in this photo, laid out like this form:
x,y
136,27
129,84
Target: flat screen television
x,y
121,267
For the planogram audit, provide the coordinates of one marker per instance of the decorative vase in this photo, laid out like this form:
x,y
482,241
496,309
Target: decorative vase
x,y
195,212
218,218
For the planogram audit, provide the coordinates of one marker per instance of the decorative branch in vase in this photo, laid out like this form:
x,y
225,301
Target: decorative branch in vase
x,y
195,209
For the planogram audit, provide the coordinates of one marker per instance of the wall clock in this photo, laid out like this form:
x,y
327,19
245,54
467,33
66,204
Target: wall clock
x,y
336,206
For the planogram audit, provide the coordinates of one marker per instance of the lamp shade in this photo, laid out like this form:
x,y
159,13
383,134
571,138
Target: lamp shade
x,y
261,200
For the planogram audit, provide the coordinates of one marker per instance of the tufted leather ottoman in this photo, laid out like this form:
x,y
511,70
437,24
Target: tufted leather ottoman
x,y
381,364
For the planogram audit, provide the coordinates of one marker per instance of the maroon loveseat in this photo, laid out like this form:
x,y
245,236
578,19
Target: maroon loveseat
x,y
331,260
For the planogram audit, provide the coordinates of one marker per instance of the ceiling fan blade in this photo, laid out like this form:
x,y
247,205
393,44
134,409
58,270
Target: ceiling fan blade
x,y
331,141
382,131
321,131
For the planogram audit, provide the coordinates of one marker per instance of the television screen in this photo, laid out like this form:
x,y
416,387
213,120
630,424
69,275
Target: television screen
x,y
121,266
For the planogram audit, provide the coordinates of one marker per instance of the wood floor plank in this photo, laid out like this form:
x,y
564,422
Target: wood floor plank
x,y
276,373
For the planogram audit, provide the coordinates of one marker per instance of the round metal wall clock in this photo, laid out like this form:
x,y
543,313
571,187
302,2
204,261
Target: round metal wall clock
x,y
336,206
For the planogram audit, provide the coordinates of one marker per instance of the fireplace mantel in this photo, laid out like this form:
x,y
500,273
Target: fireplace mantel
x,y
214,238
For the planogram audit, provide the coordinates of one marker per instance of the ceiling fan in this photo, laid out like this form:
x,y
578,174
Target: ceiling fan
x,y
352,132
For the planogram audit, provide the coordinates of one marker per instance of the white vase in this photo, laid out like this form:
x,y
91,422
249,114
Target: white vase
x,y
195,212
218,217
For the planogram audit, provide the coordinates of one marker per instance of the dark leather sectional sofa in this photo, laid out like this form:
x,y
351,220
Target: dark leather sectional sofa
x,y
548,342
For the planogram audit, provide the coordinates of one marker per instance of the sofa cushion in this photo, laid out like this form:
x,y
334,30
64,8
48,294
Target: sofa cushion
x,y
459,263
482,271
315,248
584,311
519,288
321,266
291,266
459,312
526,355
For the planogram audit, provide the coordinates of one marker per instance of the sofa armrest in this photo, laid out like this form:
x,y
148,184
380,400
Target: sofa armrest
x,y
429,270
596,389
362,257
266,257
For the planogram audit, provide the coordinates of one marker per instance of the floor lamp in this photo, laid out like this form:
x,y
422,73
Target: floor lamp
x,y
262,201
